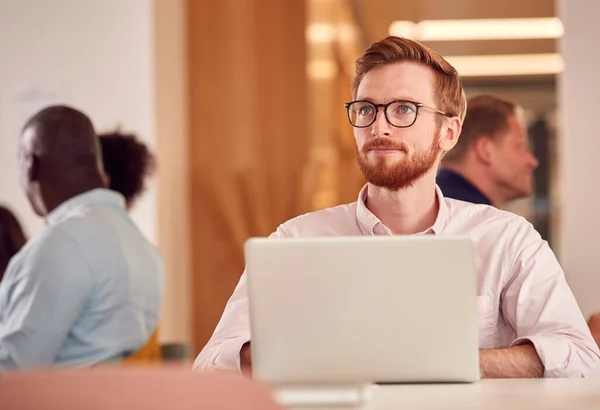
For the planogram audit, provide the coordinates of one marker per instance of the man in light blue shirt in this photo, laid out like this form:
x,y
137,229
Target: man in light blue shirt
x,y
88,288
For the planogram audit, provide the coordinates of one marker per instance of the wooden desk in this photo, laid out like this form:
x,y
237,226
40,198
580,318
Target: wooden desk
x,y
523,394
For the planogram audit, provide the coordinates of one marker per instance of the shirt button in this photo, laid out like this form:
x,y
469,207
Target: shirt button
x,y
379,229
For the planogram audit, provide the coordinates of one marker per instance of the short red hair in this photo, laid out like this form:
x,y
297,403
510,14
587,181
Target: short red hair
x,y
449,93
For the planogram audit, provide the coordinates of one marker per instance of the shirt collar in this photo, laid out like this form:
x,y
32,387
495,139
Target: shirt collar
x,y
98,196
458,187
371,225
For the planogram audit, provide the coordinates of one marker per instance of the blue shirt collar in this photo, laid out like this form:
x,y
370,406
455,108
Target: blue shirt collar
x,y
455,186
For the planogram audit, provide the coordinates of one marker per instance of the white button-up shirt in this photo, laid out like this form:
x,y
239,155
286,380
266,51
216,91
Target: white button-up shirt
x,y
522,292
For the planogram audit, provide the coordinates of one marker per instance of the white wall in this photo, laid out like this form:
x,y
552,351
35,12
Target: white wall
x,y
123,63
579,104
94,55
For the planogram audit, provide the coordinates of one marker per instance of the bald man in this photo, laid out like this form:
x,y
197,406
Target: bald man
x,y
88,288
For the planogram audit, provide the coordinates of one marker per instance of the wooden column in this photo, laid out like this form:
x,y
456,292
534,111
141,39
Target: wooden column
x,y
248,142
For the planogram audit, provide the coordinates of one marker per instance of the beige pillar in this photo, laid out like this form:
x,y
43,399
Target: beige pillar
x,y
579,102
171,122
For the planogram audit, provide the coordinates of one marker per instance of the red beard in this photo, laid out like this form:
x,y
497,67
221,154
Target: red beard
x,y
401,174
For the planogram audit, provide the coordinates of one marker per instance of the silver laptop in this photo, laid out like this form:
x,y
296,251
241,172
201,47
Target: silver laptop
x,y
354,310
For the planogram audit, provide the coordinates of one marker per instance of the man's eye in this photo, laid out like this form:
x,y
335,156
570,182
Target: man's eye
x,y
365,110
405,109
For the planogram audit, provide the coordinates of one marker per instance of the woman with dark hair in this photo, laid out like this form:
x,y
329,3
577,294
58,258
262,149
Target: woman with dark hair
x,y
128,163
12,237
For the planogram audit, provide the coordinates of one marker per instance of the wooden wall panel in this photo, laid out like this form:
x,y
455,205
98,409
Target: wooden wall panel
x,y
248,142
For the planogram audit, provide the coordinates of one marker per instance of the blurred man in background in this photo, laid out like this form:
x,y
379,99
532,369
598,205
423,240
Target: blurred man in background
x,y
88,288
491,163
128,164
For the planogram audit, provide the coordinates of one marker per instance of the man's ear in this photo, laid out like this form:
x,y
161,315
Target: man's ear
x,y
105,180
450,132
482,147
32,170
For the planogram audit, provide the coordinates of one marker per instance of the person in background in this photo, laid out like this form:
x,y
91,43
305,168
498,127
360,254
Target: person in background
x,y
88,288
128,163
491,163
12,238
407,112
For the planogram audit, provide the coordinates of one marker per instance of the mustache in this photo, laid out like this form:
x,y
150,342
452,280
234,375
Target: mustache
x,y
382,143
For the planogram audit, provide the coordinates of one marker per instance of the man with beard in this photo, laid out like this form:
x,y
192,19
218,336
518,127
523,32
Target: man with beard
x,y
87,289
407,111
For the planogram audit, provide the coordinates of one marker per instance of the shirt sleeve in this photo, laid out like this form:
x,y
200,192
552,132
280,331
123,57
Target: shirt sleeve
x,y
46,292
222,352
538,303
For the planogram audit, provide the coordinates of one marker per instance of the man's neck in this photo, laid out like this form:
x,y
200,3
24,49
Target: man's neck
x,y
406,211
57,197
480,179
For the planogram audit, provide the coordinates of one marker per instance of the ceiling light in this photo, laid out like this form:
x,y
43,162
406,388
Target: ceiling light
x,y
321,69
326,33
402,28
507,64
320,33
479,29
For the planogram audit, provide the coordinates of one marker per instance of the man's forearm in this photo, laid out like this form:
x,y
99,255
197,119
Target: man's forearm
x,y
594,325
246,359
511,362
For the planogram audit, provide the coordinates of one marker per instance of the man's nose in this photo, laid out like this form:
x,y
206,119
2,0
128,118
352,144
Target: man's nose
x,y
381,126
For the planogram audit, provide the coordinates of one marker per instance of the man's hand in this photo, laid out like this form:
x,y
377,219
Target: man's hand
x,y
512,362
246,359
594,325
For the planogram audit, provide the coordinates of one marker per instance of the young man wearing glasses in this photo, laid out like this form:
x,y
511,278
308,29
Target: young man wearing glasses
x,y
407,111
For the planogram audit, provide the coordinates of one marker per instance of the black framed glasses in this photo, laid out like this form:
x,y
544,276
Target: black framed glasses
x,y
398,113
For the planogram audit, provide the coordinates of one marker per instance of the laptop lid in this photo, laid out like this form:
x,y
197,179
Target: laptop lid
x,y
339,310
